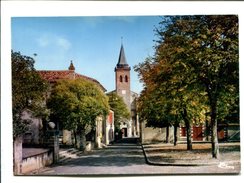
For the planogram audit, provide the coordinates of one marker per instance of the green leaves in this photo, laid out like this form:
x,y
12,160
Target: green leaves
x,y
120,109
77,103
28,91
195,63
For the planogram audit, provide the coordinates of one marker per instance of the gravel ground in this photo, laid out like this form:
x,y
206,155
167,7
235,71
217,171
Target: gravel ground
x,y
201,154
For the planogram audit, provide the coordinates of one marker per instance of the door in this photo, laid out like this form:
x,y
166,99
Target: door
x,y
197,133
124,131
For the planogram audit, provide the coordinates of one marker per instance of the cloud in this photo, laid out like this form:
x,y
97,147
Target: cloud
x,y
47,40
43,41
63,43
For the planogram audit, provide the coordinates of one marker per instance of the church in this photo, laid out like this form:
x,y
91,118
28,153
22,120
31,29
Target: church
x,y
129,128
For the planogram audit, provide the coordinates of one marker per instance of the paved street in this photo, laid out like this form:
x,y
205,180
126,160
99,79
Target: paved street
x,y
125,159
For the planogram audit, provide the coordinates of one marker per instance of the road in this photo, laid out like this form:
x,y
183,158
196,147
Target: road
x,y
125,159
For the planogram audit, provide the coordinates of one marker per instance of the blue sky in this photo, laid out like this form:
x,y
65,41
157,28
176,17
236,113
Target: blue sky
x,y
93,43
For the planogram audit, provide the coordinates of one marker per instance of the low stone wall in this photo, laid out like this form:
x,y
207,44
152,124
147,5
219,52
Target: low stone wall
x,y
36,161
157,135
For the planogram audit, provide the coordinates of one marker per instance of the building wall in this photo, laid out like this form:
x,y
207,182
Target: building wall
x,y
150,135
122,78
109,136
18,154
36,162
123,87
202,133
67,137
32,136
134,115
198,133
99,132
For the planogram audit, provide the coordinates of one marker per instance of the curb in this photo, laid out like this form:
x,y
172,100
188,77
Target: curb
x,y
149,162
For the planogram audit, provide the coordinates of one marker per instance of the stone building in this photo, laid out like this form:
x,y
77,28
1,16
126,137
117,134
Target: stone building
x,y
103,127
129,127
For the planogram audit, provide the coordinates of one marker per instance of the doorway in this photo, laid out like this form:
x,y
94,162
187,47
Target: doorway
x,y
124,132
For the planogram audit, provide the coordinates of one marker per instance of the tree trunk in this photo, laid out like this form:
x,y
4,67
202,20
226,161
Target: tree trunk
x,y
188,129
75,136
77,144
214,135
167,134
83,140
188,135
175,134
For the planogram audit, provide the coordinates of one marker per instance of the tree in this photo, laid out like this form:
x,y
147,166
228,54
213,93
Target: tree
x,y
121,112
77,103
200,55
153,108
165,100
213,51
28,92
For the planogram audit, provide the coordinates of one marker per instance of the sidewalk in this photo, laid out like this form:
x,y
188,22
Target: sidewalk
x,y
170,155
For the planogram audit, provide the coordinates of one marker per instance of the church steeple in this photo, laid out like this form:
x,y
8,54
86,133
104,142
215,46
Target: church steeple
x,y
122,77
122,59
71,67
122,63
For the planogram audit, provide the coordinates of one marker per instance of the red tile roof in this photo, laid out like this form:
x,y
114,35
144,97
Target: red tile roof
x,y
54,75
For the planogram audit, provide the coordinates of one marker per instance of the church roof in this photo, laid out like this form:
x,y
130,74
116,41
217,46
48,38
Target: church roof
x,y
122,60
53,76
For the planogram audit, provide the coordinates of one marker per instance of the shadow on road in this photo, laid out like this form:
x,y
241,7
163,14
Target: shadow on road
x,y
114,155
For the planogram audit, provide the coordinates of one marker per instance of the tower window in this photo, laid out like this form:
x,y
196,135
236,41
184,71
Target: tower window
x,y
126,78
121,79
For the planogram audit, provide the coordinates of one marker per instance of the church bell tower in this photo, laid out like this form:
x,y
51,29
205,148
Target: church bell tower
x,y
122,78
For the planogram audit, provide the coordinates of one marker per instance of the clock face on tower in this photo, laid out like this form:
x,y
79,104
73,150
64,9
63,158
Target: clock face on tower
x,y
124,92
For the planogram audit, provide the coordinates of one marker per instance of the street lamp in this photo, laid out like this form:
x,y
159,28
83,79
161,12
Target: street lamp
x,y
56,141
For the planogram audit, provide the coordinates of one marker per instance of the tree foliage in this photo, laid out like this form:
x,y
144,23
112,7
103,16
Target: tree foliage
x,y
121,112
77,103
196,67
166,100
28,92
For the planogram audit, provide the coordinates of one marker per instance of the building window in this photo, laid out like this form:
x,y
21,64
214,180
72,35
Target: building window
x,y
121,79
126,78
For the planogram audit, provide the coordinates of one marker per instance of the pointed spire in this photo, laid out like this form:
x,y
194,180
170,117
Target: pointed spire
x,y
122,60
71,67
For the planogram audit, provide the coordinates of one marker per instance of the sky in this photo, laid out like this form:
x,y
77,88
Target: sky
x,y
92,43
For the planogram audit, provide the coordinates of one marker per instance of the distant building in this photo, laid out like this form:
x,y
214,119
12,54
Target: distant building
x,y
228,131
122,82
